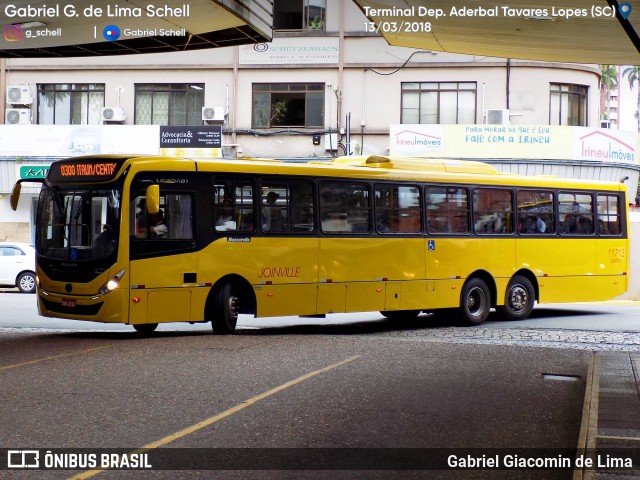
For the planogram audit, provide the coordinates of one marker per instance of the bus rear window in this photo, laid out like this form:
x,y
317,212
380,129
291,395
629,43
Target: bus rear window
x,y
609,215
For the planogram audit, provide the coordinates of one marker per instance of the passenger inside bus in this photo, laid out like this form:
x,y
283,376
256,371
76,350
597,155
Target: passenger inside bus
x,y
159,228
225,211
141,219
273,220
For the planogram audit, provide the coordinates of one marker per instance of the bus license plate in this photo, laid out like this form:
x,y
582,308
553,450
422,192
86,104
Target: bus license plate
x,y
69,302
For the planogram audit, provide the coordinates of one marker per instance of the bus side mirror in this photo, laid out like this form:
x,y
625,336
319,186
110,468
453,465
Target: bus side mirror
x,y
15,196
153,199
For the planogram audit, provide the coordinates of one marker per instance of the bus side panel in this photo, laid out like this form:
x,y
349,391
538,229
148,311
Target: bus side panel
x,y
592,270
160,284
283,271
612,256
365,296
371,259
373,269
450,262
580,288
332,298
558,257
290,299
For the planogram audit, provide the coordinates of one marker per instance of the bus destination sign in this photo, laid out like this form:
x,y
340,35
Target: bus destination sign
x,y
85,170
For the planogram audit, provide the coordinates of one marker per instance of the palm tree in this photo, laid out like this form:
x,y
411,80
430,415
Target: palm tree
x,y
608,82
633,75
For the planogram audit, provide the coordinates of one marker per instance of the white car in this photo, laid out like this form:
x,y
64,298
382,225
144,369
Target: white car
x,y
18,266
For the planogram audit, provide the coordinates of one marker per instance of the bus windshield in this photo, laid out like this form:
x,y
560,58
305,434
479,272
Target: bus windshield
x,y
78,222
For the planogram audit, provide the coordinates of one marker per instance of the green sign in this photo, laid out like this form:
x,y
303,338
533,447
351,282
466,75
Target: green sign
x,y
29,172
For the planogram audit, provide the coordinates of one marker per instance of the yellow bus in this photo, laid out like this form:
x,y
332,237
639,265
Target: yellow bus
x,y
146,240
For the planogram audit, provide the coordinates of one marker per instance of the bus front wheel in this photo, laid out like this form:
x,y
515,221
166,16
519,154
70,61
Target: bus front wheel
x,y
475,302
145,328
226,310
519,299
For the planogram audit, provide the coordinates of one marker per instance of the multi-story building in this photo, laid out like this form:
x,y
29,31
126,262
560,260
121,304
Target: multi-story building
x,y
327,85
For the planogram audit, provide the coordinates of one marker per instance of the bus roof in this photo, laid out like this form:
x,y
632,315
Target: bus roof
x,y
359,166
403,168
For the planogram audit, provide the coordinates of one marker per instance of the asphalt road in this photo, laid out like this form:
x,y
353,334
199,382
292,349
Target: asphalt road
x,y
343,383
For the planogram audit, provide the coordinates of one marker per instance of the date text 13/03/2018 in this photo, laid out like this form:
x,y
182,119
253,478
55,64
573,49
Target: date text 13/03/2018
x,y
397,27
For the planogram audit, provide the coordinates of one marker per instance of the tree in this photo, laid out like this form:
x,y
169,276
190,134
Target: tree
x,y
608,82
633,75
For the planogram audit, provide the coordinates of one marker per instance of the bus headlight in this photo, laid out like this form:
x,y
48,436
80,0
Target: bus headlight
x,y
112,284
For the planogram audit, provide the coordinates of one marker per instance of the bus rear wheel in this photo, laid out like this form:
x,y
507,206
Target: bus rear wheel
x,y
519,299
475,302
145,328
226,310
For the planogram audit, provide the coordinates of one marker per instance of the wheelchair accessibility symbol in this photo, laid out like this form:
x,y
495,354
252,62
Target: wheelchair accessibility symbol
x,y
431,245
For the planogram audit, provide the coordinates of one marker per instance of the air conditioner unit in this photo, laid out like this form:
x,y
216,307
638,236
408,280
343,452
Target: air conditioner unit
x,y
213,114
498,117
19,95
113,114
17,116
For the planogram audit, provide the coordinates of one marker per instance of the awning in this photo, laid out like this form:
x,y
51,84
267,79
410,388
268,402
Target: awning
x,y
573,31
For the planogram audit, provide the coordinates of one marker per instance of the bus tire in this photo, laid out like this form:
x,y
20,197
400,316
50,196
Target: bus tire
x,y
226,310
519,299
26,282
475,302
401,314
145,328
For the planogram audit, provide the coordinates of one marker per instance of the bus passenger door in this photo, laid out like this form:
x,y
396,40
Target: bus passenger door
x,y
163,268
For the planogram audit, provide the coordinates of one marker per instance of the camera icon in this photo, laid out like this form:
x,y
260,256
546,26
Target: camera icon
x,y
13,33
23,459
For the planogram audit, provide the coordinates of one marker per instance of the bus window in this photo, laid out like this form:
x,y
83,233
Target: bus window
x,y
447,210
287,207
397,209
173,221
575,213
535,212
233,205
608,215
492,211
345,208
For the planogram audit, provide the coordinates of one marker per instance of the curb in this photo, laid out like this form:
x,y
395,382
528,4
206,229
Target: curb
x,y
589,424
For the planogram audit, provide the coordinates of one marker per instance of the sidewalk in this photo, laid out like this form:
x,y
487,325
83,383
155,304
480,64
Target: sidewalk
x,y
611,413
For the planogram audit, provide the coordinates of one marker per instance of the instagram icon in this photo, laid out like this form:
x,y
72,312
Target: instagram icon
x,y
13,33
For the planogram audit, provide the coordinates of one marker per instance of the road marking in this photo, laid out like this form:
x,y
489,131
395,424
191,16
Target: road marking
x,y
53,357
216,418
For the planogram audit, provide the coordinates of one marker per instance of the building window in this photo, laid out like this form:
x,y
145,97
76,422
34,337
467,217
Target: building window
x,y
439,102
568,105
169,104
288,105
70,104
299,14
